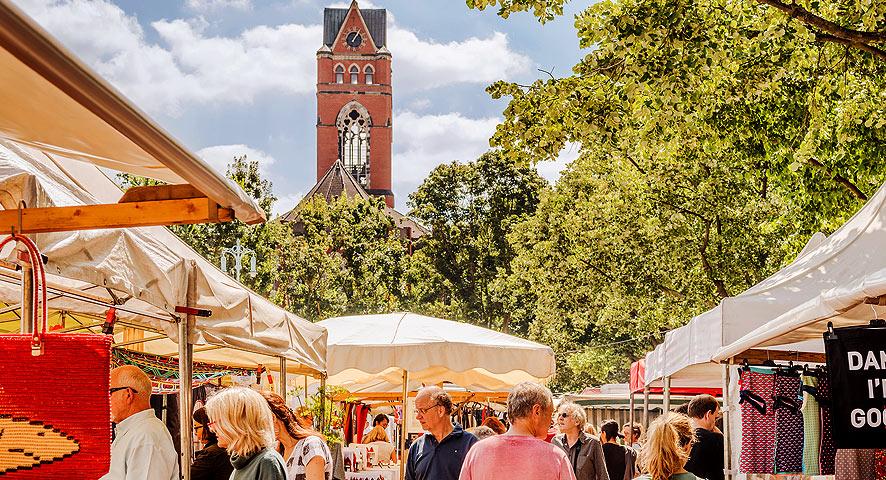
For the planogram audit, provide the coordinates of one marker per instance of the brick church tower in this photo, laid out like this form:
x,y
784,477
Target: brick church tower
x,y
354,98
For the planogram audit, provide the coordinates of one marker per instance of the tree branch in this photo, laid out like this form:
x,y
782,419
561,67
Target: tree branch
x,y
706,265
805,16
823,37
840,179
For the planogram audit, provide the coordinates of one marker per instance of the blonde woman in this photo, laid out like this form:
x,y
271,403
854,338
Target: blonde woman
x,y
243,423
667,447
377,438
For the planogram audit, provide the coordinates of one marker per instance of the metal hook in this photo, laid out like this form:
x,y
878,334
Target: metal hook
x,y
21,205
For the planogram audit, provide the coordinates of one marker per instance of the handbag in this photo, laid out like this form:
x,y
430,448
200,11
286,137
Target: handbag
x,y
54,399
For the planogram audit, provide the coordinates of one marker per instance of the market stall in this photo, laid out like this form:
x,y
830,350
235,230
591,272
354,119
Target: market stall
x,y
401,347
59,122
852,293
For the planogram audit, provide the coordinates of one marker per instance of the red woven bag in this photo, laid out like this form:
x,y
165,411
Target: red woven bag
x,y
54,402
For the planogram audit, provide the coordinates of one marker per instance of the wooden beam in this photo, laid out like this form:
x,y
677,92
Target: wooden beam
x,y
160,192
879,301
120,215
758,356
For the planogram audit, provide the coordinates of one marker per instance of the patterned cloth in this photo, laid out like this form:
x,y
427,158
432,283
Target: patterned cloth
x,y
828,448
880,464
811,426
788,424
305,450
757,421
854,464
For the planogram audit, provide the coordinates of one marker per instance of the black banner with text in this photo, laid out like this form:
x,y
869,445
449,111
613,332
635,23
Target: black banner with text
x,y
856,358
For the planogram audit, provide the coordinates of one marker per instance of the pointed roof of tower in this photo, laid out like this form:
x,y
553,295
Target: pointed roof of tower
x,y
374,18
337,182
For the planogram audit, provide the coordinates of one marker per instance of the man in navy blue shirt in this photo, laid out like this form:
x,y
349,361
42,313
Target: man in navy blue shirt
x,y
439,453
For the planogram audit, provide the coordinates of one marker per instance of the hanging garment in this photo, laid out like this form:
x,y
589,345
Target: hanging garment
x,y
788,423
811,425
757,421
828,450
880,464
362,411
854,464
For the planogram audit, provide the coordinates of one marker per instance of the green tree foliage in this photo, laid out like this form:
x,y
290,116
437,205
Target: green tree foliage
x,y
716,138
349,260
471,209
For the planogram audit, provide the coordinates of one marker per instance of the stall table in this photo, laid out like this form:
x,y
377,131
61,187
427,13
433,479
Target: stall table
x,y
375,473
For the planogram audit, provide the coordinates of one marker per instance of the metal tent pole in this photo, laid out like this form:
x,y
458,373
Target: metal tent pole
x,y
323,403
630,441
727,415
666,405
283,379
403,427
646,408
185,377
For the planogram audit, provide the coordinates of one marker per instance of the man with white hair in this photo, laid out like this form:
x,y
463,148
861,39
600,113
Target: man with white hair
x,y
142,448
521,453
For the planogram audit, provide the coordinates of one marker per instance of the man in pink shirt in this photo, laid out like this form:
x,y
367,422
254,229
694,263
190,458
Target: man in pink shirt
x,y
521,453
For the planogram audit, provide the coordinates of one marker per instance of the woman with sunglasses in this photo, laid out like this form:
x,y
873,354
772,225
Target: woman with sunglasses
x,y
212,462
306,453
245,427
585,452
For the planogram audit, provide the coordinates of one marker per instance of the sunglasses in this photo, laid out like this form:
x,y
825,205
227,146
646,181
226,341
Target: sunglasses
x,y
563,415
112,390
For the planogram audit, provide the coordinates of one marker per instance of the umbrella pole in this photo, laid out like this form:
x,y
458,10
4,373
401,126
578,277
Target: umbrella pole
x,y
283,380
403,427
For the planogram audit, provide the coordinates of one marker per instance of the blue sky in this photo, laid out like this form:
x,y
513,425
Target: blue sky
x,y
234,77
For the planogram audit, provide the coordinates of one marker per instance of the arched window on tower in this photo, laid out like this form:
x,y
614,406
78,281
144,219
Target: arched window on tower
x,y
355,72
368,73
353,141
339,74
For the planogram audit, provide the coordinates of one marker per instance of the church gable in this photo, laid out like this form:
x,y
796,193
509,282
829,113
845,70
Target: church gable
x,y
354,35
339,22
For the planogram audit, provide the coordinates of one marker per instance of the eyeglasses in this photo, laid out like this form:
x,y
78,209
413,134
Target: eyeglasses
x,y
424,411
114,389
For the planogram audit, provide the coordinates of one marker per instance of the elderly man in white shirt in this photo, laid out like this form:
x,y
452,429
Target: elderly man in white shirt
x,y
142,448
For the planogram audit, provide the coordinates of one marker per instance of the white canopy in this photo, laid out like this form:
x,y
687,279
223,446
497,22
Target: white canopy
x,y
835,280
685,355
150,268
372,347
51,100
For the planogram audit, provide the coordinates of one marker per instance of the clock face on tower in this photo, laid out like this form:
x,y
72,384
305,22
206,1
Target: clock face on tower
x,y
354,39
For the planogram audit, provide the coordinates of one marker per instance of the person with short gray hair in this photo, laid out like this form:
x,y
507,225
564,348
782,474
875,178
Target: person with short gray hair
x,y
522,450
142,448
439,453
584,451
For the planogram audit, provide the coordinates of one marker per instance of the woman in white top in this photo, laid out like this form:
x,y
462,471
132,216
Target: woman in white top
x,y
377,438
305,451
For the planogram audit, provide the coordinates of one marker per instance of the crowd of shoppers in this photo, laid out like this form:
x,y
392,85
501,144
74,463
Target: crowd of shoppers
x,y
250,435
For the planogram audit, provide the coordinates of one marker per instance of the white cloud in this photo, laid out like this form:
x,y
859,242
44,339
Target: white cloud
x,y
219,156
190,66
423,65
551,170
205,5
420,104
421,142
286,203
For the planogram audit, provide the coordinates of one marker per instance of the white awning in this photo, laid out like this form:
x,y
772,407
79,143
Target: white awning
x,y
379,347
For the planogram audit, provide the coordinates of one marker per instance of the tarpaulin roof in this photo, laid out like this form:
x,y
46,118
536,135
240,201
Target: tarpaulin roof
x,y
365,348
830,284
149,268
685,355
52,101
